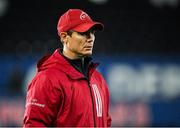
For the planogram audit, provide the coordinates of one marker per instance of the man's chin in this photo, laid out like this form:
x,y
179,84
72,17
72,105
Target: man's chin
x,y
87,54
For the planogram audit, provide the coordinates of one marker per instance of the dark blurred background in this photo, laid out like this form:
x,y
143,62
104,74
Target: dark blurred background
x,y
138,50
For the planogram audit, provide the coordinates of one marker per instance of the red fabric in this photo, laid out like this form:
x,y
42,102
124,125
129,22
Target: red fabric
x,y
59,95
77,20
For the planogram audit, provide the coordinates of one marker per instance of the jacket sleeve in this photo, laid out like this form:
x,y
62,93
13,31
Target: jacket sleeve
x,y
42,103
108,100
108,115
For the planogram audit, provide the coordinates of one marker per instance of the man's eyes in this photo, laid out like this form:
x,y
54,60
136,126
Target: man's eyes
x,y
87,33
82,33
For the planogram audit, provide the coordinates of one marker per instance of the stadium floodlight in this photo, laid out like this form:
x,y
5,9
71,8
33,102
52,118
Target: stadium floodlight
x,y
99,1
162,3
3,7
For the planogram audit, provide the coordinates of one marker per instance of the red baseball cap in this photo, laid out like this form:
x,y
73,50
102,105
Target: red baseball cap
x,y
77,20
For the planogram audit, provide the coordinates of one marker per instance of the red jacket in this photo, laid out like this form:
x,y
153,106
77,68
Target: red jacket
x,y
59,95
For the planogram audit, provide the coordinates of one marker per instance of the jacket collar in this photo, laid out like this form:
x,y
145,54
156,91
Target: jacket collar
x,y
57,61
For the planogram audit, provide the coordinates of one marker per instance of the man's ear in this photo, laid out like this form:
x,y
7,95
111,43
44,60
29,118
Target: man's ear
x,y
63,36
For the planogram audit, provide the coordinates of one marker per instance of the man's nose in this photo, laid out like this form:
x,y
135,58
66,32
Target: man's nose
x,y
89,35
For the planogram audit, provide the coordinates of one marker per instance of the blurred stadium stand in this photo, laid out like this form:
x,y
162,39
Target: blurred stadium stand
x,y
139,50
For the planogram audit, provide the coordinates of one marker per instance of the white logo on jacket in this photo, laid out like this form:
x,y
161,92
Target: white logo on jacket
x,y
98,100
35,103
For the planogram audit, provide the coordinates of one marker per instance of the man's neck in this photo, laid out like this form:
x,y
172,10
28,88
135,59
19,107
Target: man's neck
x,y
71,55
80,64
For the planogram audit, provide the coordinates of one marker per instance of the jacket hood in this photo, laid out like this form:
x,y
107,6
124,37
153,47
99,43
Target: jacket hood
x,y
57,61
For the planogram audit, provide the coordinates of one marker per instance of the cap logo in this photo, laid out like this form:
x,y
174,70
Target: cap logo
x,y
83,15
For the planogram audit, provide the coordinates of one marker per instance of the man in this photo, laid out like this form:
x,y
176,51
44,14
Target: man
x,y
67,90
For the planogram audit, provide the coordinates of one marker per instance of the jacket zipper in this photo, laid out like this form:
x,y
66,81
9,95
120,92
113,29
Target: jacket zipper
x,y
92,102
82,61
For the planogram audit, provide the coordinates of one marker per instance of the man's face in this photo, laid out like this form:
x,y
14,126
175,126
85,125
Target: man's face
x,y
79,44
